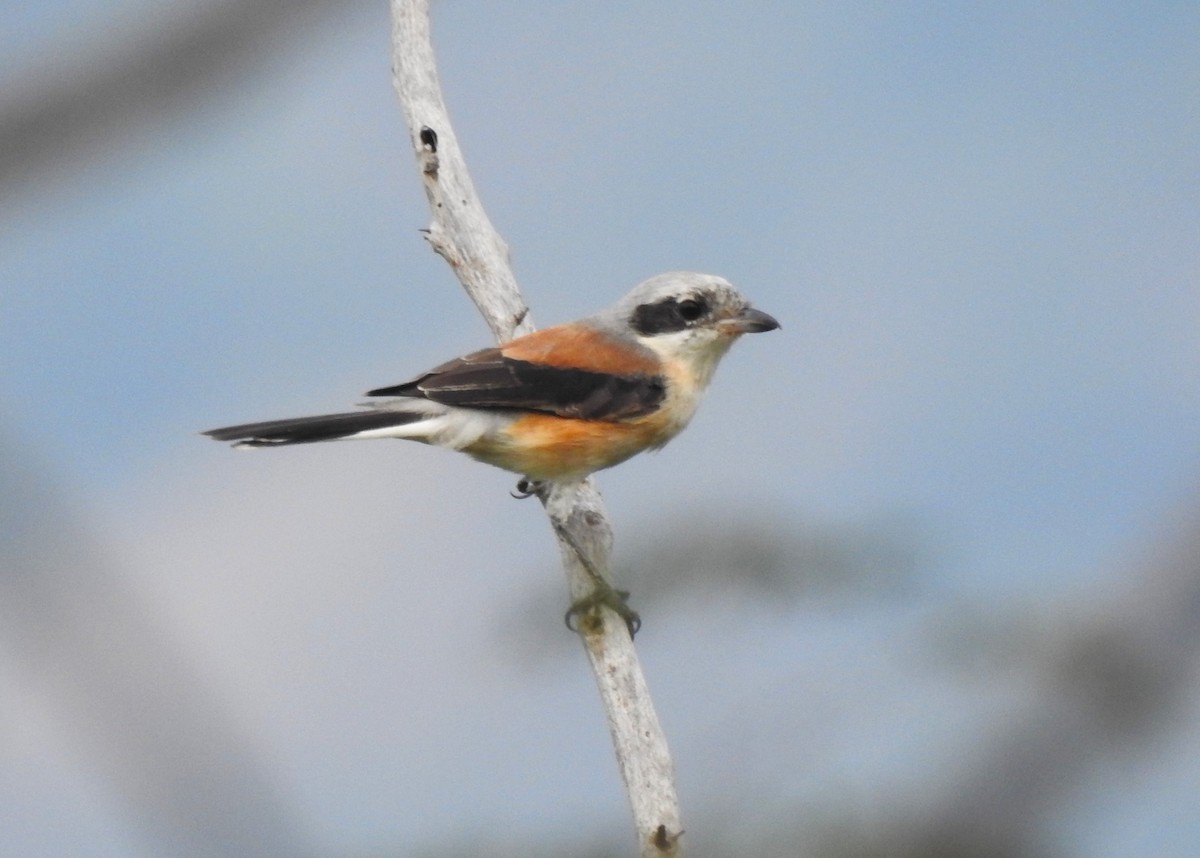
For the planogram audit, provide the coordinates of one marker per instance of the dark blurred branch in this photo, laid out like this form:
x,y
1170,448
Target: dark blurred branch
x,y
1107,684
85,105
129,703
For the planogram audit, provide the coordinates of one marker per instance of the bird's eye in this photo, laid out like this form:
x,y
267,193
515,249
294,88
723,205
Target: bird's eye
x,y
691,309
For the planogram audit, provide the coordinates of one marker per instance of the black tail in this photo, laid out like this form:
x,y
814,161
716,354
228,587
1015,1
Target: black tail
x,y
304,430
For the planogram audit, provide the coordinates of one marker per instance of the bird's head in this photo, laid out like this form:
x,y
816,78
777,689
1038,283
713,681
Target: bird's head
x,y
689,317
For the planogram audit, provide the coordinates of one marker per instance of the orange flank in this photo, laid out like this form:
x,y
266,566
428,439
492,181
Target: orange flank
x,y
574,346
545,447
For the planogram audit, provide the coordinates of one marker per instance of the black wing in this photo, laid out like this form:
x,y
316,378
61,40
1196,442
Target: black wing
x,y
489,379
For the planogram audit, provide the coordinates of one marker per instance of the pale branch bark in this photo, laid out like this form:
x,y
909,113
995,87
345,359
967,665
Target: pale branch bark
x,y
462,234
461,231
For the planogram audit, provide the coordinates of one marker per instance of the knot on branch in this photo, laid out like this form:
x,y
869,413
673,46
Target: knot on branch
x,y
664,841
429,147
428,138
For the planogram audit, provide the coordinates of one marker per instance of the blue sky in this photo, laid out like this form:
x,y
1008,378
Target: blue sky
x,y
978,225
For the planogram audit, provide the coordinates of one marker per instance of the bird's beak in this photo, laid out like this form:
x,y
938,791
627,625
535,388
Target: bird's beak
x,y
748,321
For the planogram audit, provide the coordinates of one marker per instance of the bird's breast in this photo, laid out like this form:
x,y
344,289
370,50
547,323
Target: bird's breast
x,y
547,447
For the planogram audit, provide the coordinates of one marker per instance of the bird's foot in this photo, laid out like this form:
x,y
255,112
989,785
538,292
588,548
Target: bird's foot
x,y
527,488
584,614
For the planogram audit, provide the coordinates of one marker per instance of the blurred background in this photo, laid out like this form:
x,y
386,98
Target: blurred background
x,y
922,578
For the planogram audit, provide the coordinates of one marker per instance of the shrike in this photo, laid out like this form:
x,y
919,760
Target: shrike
x,y
562,402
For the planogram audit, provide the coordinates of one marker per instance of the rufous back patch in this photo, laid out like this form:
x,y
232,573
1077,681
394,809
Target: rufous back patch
x,y
577,346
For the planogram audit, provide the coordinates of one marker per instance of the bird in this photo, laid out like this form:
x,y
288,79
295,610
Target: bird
x,y
561,403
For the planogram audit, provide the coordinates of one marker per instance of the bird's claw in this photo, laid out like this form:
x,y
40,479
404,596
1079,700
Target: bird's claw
x,y
527,488
604,595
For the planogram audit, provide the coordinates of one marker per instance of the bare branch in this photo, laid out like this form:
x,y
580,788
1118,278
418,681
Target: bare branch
x,y
462,234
